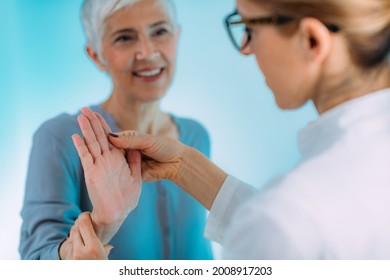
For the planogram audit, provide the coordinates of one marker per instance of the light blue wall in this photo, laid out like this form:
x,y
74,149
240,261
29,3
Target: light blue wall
x,y
44,71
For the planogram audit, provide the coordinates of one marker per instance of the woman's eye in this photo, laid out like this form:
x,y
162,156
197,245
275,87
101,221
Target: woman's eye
x,y
125,38
161,32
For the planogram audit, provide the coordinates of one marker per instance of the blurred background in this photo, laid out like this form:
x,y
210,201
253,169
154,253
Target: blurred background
x,y
44,71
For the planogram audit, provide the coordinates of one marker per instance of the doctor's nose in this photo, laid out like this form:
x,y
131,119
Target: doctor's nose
x,y
247,49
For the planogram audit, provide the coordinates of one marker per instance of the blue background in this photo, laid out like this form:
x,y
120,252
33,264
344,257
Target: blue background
x,y
44,71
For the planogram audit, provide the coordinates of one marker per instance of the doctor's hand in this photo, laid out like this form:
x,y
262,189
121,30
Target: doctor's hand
x,y
166,158
162,157
82,243
112,175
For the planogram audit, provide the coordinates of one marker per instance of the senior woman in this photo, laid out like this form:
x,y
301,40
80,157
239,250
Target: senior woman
x,y
335,203
134,42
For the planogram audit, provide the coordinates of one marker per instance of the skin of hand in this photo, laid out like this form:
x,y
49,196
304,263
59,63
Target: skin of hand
x,y
82,243
162,156
113,176
166,158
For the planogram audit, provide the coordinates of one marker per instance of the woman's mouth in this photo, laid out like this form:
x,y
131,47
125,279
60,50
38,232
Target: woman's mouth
x,y
149,73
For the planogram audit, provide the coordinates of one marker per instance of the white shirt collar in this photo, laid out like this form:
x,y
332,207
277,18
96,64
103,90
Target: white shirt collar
x,y
324,131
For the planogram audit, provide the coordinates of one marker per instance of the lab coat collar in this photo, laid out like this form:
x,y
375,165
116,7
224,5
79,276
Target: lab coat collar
x,y
330,126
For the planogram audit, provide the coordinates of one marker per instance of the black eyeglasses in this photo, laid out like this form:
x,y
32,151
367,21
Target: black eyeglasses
x,y
241,35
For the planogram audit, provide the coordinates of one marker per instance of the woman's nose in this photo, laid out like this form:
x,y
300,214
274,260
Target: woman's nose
x,y
146,49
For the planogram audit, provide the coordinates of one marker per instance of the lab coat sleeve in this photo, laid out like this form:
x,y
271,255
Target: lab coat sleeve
x,y
230,197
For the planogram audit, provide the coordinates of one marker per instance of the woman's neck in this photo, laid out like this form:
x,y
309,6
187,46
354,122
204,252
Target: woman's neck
x,y
131,114
345,89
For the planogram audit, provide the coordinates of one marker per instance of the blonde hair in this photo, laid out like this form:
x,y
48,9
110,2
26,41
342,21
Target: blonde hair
x,y
364,23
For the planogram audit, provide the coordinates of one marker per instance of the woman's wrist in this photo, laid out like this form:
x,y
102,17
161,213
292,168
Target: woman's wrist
x,y
200,177
105,230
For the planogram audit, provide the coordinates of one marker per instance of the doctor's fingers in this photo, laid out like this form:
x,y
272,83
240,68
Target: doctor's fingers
x,y
133,140
160,149
97,128
152,171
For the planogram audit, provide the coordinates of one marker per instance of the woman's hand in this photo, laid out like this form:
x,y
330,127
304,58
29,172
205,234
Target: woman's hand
x,y
82,243
112,175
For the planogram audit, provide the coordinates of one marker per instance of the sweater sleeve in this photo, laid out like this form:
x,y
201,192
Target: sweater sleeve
x,y
51,202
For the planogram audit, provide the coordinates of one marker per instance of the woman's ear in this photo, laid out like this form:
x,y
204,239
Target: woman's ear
x,y
178,33
315,39
95,58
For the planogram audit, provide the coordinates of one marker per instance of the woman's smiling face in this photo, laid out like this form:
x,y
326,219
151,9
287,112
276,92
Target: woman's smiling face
x,y
139,50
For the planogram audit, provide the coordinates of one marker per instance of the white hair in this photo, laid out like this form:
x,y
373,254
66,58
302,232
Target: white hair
x,y
95,12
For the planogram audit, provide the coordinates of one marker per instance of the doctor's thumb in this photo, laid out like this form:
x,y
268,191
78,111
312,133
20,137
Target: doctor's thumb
x,y
130,139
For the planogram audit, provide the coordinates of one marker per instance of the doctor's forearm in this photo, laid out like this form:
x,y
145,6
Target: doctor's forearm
x,y
200,177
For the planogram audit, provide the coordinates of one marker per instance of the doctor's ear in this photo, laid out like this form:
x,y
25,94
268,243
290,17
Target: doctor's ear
x,y
314,39
95,58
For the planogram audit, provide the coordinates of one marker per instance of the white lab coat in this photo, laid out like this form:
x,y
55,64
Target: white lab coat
x,y
335,204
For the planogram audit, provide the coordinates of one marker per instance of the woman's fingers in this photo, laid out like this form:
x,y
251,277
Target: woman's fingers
x,y
89,136
82,150
77,240
108,248
86,229
106,127
85,243
97,128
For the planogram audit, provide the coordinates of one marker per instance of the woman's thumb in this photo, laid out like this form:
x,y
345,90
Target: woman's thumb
x,y
109,249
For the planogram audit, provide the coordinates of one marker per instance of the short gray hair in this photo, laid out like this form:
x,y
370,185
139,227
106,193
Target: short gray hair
x,y
95,12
